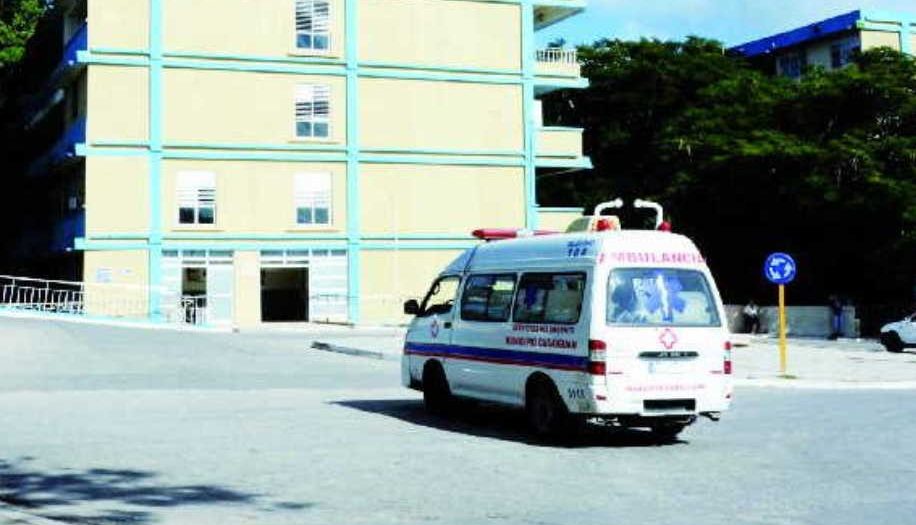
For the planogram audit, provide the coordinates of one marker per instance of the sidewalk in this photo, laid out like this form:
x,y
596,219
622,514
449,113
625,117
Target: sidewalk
x,y
811,363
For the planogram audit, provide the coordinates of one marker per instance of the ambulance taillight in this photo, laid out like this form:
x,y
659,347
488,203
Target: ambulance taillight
x,y
727,361
597,357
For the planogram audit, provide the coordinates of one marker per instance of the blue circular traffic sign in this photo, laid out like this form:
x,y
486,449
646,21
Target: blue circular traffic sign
x,y
779,268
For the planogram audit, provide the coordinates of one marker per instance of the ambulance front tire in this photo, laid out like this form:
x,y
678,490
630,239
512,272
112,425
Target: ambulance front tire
x,y
548,416
436,394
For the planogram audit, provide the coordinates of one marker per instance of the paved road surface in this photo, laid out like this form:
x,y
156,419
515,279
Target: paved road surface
x,y
102,425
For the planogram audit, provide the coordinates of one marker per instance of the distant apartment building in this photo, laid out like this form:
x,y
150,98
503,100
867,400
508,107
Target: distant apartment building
x,y
832,43
286,160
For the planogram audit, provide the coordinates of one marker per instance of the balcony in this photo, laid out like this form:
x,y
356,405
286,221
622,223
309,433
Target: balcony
x,y
559,147
557,62
62,150
38,105
67,230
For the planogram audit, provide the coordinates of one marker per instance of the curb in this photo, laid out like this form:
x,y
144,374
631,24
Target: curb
x,y
347,350
11,516
807,384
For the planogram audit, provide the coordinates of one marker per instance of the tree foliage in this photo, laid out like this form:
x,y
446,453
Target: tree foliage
x,y
17,23
749,163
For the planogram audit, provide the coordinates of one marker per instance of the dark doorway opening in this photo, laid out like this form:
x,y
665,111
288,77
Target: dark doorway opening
x,y
284,295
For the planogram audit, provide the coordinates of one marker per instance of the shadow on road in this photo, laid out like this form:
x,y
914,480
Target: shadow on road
x,y
133,494
493,421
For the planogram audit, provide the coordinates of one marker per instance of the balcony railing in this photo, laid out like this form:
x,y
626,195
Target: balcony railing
x,y
557,62
556,55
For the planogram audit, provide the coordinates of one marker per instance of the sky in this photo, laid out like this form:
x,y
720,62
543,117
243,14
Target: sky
x,y
730,21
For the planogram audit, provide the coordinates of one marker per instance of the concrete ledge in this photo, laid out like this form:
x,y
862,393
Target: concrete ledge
x,y
328,347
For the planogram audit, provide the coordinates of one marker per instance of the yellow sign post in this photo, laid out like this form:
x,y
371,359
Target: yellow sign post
x,y
782,329
780,269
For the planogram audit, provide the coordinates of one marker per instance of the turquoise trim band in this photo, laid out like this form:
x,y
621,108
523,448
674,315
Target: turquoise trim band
x,y
354,272
155,159
530,138
560,209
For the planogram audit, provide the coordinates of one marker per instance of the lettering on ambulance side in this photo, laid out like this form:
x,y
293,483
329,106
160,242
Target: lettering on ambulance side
x,y
657,257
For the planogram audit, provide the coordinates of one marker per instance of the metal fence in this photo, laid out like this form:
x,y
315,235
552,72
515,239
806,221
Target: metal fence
x,y
124,301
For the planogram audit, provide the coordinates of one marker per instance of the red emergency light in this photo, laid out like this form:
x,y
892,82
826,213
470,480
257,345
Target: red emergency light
x,y
499,234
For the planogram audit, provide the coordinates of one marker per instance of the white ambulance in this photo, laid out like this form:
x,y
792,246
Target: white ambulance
x,y
622,326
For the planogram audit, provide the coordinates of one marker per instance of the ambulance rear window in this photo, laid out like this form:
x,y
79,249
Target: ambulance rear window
x,y
660,297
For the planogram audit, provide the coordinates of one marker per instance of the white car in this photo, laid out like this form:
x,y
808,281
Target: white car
x,y
902,334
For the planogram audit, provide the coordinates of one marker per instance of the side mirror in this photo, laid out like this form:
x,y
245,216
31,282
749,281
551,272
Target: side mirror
x,y
412,307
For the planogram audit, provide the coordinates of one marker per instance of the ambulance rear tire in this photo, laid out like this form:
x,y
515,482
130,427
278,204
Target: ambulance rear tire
x,y
548,416
437,395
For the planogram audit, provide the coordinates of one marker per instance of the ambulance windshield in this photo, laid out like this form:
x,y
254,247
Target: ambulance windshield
x,y
660,297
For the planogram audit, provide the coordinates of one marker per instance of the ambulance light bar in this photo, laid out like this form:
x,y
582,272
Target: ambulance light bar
x,y
499,234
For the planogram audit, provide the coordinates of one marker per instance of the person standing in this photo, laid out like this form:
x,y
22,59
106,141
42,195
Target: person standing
x,y
751,314
836,310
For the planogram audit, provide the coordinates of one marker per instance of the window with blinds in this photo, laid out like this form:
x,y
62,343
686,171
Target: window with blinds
x,y
313,111
312,196
313,25
196,197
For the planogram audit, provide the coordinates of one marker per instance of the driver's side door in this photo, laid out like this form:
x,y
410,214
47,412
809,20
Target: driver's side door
x,y
431,331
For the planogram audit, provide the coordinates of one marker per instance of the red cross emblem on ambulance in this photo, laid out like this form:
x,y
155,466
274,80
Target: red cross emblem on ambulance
x,y
668,338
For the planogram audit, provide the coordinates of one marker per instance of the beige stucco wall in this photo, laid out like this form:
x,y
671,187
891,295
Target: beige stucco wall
x,y
556,220
117,103
873,39
436,33
440,199
242,107
559,143
422,114
254,197
245,27
117,195
389,278
126,292
118,23
247,307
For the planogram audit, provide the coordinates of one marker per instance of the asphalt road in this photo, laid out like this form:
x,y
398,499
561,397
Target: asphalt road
x,y
103,425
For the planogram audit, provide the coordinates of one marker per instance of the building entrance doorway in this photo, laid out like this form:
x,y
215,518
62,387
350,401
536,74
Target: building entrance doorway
x,y
194,295
284,295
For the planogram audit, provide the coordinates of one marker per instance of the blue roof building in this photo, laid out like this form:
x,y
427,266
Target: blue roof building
x,y
832,43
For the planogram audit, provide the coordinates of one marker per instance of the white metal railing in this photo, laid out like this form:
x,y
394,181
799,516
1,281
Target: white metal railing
x,y
556,55
73,297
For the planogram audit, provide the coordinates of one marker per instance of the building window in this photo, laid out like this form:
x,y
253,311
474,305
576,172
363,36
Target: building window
x,y
792,65
196,197
842,53
313,24
313,198
488,298
313,111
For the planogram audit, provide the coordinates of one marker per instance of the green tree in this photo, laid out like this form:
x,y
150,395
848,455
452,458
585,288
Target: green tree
x,y
17,23
749,163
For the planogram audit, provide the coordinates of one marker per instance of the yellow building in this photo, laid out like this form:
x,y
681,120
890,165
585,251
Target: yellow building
x,y
287,160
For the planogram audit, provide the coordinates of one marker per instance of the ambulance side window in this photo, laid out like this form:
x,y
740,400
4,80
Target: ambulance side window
x,y
552,298
488,298
441,297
